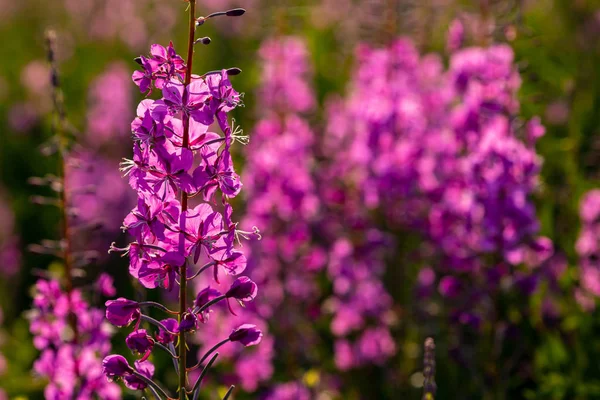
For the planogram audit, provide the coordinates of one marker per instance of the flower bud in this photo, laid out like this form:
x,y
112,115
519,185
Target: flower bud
x,y
242,289
206,295
235,12
145,368
188,322
122,312
115,366
246,334
139,342
164,337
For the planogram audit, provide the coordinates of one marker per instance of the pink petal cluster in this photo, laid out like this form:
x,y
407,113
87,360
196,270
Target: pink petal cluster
x,y
176,151
588,250
71,367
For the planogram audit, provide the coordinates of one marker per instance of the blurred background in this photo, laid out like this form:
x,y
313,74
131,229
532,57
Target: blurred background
x,y
416,168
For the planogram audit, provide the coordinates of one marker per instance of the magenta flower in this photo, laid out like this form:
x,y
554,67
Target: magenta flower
x,y
161,271
144,79
188,323
221,174
122,312
139,342
203,227
167,134
204,296
233,262
164,337
168,172
242,289
162,66
143,220
246,334
168,64
144,128
223,96
115,366
190,101
145,368
105,285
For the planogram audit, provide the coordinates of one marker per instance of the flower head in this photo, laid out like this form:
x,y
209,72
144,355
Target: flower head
x,y
139,342
247,334
164,337
145,368
115,366
122,312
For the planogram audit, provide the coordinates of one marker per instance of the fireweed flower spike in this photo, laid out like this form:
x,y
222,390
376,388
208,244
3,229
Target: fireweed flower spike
x,y
69,332
170,138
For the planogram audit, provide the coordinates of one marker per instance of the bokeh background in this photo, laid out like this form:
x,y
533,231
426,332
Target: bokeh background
x,y
398,170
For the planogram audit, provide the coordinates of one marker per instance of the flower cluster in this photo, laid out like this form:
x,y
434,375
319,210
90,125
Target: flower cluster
x,y
412,147
588,249
440,151
70,333
176,156
70,357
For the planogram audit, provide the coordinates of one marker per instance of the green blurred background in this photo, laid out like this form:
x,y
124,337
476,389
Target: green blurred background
x,y
557,50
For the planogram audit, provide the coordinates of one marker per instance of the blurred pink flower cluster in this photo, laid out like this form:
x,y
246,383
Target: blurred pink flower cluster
x,y
413,146
588,250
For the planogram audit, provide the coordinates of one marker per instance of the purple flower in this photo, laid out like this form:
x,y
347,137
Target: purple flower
x,y
145,368
209,177
224,97
143,220
164,337
144,79
139,342
168,172
105,285
242,289
246,334
204,296
202,228
189,322
122,312
161,271
233,262
162,66
188,100
115,366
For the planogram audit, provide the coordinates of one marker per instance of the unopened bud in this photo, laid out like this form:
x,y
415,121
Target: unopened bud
x,y
235,12
234,71
204,40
